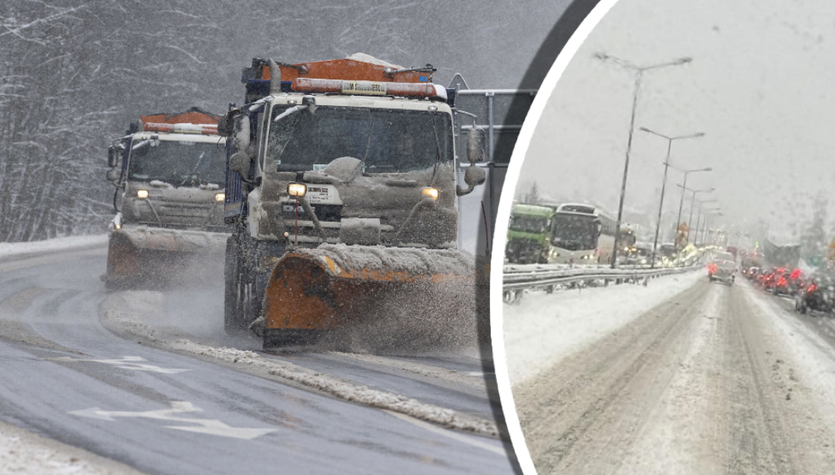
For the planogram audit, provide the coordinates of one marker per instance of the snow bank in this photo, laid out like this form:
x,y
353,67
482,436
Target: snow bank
x,y
115,314
22,452
51,245
544,328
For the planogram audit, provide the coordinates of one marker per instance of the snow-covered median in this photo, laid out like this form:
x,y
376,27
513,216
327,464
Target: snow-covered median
x,y
24,453
543,328
51,245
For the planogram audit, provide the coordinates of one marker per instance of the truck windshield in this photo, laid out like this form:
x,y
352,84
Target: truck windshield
x,y
177,163
390,141
573,232
529,224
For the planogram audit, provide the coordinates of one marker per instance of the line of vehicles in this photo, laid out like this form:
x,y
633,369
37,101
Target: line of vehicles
x,y
332,189
576,233
813,292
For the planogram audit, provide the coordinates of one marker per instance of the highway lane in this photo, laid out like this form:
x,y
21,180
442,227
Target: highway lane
x,y
68,378
714,380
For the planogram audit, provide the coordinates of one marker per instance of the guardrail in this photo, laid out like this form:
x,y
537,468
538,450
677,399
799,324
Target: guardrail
x,y
517,279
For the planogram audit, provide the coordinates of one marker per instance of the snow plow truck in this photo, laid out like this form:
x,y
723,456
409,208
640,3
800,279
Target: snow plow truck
x,y
168,199
342,194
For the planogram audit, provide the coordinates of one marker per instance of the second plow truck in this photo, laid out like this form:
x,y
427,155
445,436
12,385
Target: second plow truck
x,y
169,200
342,194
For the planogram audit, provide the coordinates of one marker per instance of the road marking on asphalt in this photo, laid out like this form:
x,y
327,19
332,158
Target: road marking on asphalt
x,y
204,426
127,362
471,440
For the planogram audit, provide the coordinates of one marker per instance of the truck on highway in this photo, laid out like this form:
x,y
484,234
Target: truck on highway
x,y
781,253
528,234
169,171
341,193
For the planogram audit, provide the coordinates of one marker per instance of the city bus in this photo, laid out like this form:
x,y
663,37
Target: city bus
x,y
581,234
527,234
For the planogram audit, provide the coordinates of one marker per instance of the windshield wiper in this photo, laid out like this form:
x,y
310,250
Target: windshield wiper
x,y
197,165
361,164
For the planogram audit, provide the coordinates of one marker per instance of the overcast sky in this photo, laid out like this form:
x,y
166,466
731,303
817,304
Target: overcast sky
x,y
761,87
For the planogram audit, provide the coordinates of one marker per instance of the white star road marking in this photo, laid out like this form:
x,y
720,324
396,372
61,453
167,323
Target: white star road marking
x,y
203,426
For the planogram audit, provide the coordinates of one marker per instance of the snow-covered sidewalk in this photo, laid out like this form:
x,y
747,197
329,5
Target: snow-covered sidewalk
x,y
10,249
543,328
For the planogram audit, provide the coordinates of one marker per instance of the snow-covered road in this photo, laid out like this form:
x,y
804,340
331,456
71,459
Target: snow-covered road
x,y
149,381
712,379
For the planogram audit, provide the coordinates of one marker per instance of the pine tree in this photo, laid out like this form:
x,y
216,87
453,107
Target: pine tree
x,y
533,195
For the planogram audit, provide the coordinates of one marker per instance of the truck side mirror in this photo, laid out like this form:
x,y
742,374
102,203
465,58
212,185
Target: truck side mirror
x,y
112,157
226,124
239,162
473,177
113,175
476,138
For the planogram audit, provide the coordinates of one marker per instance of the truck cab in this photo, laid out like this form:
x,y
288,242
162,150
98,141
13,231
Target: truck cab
x,y
168,198
354,158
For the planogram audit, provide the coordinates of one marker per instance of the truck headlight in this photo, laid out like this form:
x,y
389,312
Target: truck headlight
x,y
297,189
220,196
142,194
430,192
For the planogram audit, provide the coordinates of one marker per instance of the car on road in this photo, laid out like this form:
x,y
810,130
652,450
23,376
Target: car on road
x,y
819,295
782,283
722,270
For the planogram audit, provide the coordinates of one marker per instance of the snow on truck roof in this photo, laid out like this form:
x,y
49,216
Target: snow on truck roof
x,y
195,115
357,67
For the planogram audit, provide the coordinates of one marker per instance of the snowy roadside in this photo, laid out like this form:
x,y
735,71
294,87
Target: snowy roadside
x,y
542,328
24,453
814,358
121,313
18,249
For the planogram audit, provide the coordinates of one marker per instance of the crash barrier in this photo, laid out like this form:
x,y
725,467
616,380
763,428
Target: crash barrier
x,y
550,278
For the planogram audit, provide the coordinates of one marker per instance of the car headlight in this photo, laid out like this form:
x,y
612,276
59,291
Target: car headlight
x,y
297,189
430,192
220,196
142,194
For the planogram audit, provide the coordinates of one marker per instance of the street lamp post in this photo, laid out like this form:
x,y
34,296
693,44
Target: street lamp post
x,y
664,183
692,205
706,234
639,71
681,201
699,218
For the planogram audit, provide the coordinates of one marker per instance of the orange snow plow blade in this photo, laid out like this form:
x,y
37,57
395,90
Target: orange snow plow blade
x,y
314,291
148,258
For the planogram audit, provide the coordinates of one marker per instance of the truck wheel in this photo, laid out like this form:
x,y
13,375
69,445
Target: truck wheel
x,y
801,306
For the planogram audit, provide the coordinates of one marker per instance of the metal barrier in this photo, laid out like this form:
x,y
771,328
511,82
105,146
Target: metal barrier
x,y
517,279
